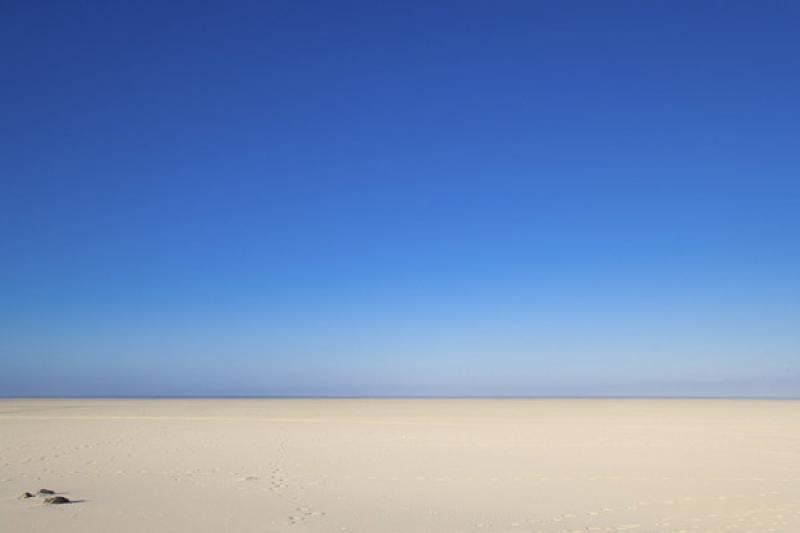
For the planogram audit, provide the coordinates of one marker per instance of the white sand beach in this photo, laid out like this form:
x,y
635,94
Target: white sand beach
x,y
401,465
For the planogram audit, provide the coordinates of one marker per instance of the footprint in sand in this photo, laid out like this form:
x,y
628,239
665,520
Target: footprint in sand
x,y
302,514
278,481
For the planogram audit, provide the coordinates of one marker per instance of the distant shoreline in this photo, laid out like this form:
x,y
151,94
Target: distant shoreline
x,y
122,397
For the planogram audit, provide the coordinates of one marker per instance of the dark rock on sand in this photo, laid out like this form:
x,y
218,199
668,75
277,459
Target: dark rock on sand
x,y
25,496
56,500
46,491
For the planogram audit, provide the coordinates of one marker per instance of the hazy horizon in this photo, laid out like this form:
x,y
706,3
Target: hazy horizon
x,y
235,397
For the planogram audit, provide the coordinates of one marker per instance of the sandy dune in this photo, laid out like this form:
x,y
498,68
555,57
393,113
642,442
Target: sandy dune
x,y
401,465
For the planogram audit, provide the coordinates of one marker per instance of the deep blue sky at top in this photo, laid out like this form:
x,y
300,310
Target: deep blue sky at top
x,y
523,198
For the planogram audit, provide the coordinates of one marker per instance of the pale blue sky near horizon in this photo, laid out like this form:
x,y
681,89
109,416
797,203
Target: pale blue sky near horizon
x,y
434,199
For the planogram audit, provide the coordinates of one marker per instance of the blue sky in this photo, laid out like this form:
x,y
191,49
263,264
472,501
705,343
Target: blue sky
x,y
426,198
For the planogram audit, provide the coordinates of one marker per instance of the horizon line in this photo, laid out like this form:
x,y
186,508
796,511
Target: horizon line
x,y
392,397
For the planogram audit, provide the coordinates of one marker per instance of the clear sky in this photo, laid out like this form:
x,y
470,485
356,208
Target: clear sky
x,y
409,198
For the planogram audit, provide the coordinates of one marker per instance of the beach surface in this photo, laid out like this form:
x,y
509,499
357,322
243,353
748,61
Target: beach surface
x,y
406,466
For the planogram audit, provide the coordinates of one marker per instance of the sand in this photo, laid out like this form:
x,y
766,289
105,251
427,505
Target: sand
x,y
401,465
